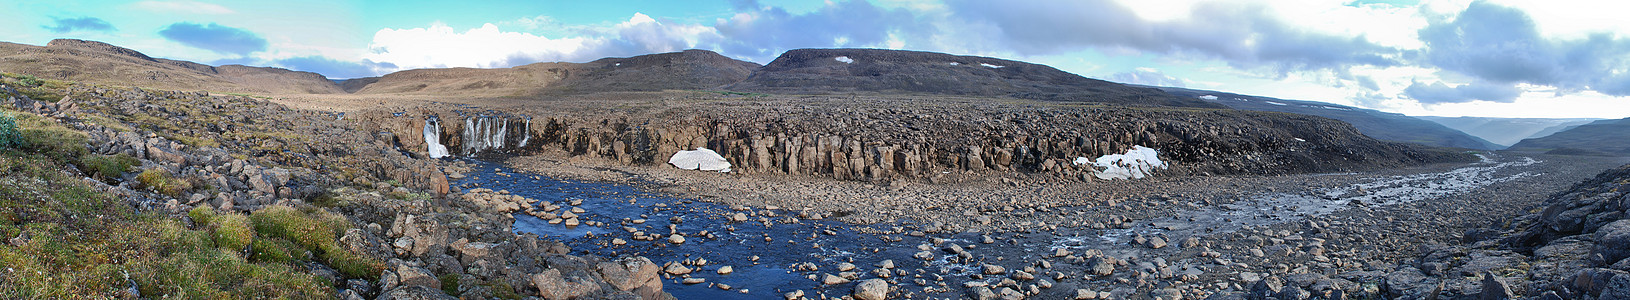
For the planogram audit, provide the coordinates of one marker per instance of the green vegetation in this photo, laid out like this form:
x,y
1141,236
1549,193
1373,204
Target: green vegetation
x,y
9,137
160,181
62,239
449,284
316,231
107,167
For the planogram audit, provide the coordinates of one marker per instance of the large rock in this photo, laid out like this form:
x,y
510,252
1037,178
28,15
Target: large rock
x,y
551,285
872,289
415,293
630,273
416,276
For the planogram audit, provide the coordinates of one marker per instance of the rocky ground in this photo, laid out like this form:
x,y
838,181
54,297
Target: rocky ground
x,y
1152,238
397,235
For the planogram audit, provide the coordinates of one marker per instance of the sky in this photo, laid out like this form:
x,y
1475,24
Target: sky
x,y
1487,58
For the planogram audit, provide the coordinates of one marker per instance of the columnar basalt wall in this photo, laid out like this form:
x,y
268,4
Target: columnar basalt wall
x,y
886,144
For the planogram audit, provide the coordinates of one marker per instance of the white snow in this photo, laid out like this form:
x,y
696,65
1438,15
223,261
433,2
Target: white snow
x,y
1208,97
1300,140
844,59
955,63
700,159
991,66
1136,163
1274,103
432,138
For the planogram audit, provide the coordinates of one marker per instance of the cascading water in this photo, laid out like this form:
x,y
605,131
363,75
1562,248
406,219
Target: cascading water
x,y
432,137
491,133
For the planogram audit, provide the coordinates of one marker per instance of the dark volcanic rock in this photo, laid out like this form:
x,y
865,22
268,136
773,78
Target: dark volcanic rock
x,y
1380,125
825,71
691,69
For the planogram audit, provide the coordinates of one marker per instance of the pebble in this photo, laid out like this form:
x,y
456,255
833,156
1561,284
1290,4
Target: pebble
x,y
830,279
726,270
676,239
693,280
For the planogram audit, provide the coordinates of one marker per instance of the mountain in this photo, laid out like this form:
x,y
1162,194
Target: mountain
x,y
97,62
1508,131
687,70
1603,137
824,71
1374,123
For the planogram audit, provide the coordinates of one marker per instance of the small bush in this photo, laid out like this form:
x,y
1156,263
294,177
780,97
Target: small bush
x,y
29,81
9,137
201,215
449,284
108,167
160,181
46,136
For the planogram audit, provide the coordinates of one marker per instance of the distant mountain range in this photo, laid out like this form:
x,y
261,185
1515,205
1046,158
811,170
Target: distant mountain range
x,y
1374,123
796,72
1602,137
1508,131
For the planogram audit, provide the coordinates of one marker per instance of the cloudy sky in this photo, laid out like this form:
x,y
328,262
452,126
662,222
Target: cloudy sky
x,y
1491,58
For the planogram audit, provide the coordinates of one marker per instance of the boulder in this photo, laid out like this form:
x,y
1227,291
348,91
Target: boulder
x,y
872,289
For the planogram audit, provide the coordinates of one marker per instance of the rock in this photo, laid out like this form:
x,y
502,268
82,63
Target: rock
x,y
1172,294
676,269
676,239
693,280
872,289
738,217
1022,276
629,273
981,293
618,241
1495,288
793,295
415,293
1083,294
845,267
1157,242
1101,266
1190,242
886,264
990,269
726,270
416,276
551,285
829,279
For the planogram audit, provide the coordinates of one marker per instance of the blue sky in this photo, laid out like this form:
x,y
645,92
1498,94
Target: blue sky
x,y
1434,57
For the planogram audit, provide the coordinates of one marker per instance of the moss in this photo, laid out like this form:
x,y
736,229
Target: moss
x,y
160,181
449,284
44,135
201,214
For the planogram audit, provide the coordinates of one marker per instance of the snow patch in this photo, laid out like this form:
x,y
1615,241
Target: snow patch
x,y
991,66
1136,163
956,63
844,59
1274,103
1208,97
700,159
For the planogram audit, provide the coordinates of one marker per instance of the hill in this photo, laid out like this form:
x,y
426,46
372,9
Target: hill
x,y
1508,131
687,70
826,71
1374,123
97,62
1604,137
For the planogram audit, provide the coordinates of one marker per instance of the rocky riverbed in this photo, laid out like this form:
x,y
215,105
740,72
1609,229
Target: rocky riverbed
x,y
964,235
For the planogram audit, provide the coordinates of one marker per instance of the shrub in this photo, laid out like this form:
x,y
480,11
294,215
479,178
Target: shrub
x,y
29,81
201,215
9,137
449,284
108,167
160,181
273,250
46,136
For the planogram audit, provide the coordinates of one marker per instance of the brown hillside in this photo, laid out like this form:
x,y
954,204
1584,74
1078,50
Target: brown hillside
x,y
821,71
97,62
687,70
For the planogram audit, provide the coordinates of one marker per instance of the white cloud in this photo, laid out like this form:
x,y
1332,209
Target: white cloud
x,y
184,7
441,46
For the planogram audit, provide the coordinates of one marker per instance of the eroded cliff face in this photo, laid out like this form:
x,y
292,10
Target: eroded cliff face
x,y
848,140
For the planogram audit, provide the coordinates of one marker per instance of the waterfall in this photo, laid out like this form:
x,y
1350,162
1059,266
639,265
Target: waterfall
x,y
526,133
432,138
484,133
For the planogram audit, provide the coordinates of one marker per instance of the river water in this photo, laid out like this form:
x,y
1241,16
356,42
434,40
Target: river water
x,y
793,241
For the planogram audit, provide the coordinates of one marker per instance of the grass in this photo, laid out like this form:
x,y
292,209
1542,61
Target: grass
x,y
107,167
74,242
316,231
160,181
